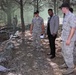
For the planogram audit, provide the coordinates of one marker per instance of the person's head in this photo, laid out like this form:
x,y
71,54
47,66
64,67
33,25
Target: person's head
x,y
71,10
65,7
36,14
50,12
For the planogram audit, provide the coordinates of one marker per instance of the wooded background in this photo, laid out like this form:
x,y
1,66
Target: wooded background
x,y
24,9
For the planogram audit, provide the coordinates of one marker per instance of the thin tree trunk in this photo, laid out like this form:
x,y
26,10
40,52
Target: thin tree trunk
x,y
68,1
37,6
34,6
55,6
22,19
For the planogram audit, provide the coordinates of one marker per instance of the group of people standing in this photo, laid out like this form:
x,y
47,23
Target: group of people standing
x,y
68,34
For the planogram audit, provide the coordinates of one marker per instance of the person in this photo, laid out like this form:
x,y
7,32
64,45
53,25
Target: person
x,y
36,29
15,21
52,29
74,51
68,38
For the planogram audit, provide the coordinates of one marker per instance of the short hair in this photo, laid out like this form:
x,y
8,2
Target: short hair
x,y
50,10
71,10
36,12
65,4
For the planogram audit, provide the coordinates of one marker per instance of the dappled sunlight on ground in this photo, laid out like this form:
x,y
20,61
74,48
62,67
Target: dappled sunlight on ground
x,y
14,74
53,62
54,67
29,61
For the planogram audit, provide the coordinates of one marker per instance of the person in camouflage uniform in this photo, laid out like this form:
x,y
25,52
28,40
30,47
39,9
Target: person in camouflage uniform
x,y
68,38
36,29
74,52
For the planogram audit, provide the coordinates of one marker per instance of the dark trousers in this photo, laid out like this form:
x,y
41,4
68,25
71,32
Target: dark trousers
x,y
52,43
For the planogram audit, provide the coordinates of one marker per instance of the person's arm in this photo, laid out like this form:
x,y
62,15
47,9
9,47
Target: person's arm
x,y
43,29
31,28
56,25
72,24
72,31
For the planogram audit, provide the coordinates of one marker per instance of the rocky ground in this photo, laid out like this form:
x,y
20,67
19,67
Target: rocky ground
x,y
23,59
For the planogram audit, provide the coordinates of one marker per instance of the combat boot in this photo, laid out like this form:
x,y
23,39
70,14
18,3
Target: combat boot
x,y
63,66
68,71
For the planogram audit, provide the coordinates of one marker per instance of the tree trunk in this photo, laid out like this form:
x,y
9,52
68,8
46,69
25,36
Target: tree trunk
x,y
68,1
37,6
34,6
22,19
55,6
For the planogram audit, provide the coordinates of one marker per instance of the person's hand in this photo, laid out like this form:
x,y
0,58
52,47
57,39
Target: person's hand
x,y
30,31
53,34
68,42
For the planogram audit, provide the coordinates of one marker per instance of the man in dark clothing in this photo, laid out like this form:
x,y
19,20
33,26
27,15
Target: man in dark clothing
x,y
52,29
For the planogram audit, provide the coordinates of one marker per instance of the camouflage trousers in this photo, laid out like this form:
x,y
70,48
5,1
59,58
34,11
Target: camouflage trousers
x,y
36,40
74,52
67,53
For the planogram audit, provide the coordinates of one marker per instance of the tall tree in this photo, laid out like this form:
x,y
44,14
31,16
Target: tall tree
x,y
55,6
21,4
7,6
68,1
22,18
38,4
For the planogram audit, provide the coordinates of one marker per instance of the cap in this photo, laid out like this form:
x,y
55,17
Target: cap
x,y
65,5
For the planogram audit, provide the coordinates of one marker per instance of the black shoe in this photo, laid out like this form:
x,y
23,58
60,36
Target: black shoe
x,y
53,56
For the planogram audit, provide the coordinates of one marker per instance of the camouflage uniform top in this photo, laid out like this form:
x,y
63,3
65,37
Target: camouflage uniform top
x,y
68,23
37,23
